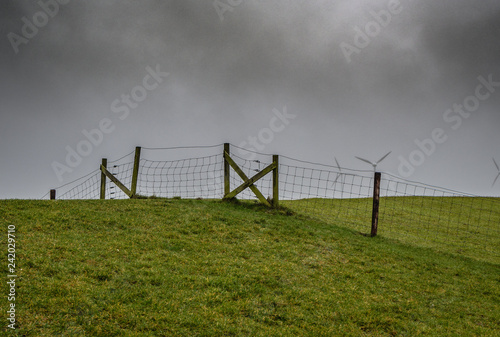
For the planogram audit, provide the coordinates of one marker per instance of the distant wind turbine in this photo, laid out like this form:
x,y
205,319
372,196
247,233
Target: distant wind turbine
x,y
339,175
376,163
498,175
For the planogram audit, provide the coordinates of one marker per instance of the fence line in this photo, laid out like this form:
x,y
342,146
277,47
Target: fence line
x,y
409,211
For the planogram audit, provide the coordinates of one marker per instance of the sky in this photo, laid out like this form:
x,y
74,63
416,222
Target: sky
x,y
348,78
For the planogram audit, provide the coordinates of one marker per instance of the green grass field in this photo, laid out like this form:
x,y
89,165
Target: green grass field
x,y
463,226
159,267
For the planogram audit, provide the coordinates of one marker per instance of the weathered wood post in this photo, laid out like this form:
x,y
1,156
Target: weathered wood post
x,y
376,202
276,194
103,179
135,173
52,194
227,184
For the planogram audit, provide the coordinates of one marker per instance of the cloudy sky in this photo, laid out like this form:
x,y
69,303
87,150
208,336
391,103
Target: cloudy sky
x,y
361,78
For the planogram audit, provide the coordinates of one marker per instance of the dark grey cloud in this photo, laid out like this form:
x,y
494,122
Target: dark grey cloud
x,y
464,42
227,76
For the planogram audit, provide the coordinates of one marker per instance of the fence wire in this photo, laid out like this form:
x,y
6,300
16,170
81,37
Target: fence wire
x,y
410,212
330,194
186,178
432,216
123,172
86,187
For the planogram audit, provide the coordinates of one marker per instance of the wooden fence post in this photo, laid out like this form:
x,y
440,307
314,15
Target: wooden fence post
x,y
52,194
227,184
376,203
276,194
135,173
103,179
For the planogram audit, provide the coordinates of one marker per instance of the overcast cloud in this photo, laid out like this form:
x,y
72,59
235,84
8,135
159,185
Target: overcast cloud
x,y
227,75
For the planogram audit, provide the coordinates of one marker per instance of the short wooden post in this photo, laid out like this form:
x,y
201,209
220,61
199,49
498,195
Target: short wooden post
x,y
376,202
135,173
276,194
103,179
227,183
52,194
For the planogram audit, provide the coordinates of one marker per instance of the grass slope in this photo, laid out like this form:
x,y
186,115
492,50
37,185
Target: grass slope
x,y
208,268
463,226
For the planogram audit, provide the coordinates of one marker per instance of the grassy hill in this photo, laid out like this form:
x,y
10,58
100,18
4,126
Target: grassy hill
x,y
465,226
208,268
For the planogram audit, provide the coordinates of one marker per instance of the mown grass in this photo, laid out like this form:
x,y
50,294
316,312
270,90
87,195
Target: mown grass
x,y
208,268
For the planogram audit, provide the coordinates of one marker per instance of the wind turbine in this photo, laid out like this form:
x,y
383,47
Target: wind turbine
x,y
339,175
376,163
498,175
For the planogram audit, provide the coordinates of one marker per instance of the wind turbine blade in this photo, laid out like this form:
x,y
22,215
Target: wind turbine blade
x,y
366,161
498,168
494,181
384,157
338,174
334,182
338,165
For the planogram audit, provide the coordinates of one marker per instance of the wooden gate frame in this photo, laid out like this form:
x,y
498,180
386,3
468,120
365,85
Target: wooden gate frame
x,y
249,182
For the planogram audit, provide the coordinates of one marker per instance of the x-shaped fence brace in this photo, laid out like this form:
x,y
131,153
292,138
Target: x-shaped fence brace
x,y
250,182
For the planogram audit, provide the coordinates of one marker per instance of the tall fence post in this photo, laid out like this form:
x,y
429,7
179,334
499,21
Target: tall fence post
x,y
135,173
376,203
52,194
276,195
227,184
103,179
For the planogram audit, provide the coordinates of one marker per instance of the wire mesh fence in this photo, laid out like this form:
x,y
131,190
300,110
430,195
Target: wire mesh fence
x,y
186,178
86,187
329,193
431,216
410,212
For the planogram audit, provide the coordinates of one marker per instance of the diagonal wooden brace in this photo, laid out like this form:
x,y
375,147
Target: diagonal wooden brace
x,y
248,182
116,181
